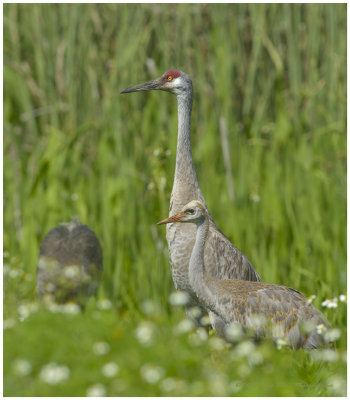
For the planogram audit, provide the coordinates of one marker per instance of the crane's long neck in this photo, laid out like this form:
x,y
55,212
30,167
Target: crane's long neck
x,y
185,182
197,275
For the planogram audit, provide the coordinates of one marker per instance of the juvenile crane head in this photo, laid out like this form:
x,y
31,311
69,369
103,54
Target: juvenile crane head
x,y
193,212
173,81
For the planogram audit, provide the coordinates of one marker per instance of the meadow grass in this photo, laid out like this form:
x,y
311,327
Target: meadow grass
x,y
74,147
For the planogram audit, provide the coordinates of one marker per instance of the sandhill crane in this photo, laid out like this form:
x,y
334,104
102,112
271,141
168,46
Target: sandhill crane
x,y
224,260
286,310
69,264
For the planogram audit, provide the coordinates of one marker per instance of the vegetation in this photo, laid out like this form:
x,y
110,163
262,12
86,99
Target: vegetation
x,y
276,74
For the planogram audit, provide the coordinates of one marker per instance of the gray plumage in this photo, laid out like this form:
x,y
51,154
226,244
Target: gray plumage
x,y
70,263
224,260
286,311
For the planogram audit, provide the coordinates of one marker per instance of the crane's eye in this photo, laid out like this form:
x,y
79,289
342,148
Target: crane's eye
x,y
190,211
170,78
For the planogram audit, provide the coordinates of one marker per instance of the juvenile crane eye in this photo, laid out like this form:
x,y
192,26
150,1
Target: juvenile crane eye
x,y
190,210
170,78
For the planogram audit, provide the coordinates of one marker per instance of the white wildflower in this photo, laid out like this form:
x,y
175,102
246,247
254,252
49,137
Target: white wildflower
x,y
21,367
149,307
330,303
205,320
54,373
332,335
104,304
218,384
343,298
175,385
96,390
70,308
156,152
337,386
194,312
258,321
152,373
74,196
310,299
198,337
234,332
110,369
321,329
325,355
25,310
179,298
217,343
162,183
72,271
9,323
145,333
184,326
101,348
281,342
244,349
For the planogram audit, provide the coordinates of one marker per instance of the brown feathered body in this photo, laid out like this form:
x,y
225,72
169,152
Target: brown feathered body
x,y
70,263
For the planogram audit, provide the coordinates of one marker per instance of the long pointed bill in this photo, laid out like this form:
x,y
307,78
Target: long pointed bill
x,y
174,218
151,85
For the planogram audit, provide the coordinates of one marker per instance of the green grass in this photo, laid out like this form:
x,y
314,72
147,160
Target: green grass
x,y
73,146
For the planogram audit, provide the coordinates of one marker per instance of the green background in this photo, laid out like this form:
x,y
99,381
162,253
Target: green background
x,y
73,146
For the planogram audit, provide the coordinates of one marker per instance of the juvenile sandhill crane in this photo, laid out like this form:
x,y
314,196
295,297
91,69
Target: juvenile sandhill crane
x,y
69,264
224,260
245,302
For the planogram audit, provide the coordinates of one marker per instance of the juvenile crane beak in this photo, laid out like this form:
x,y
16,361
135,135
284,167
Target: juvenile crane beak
x,y
156,84
174,218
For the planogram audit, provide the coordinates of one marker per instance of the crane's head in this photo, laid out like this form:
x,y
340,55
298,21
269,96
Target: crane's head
x,y
173,81
193,212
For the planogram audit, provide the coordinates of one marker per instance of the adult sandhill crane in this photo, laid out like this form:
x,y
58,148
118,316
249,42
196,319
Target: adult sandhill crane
x,y
286,310
69,264
224,260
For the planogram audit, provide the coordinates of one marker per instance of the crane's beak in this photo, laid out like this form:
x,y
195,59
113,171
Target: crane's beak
x,y
174,218
151,85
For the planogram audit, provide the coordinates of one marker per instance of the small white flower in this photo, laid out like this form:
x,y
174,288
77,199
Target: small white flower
x,y
72,271
234,332
218,384
168,384
198,337
217,343
179,298
104,304
22,367
244,349
25,310
96,390
74,196
258,321
281,342
9,323
332,335
152,373
321,329
101,348
330,303
205,320
145,333
343,298
325,355
70,308
54,373
110,370
311,298
194,312
162,183
184,326
337,386
156,152
149,307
